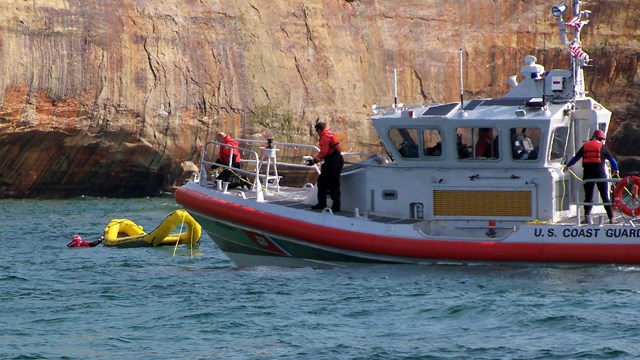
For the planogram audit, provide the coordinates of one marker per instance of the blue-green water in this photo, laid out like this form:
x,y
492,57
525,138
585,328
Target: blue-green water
x,y
105,303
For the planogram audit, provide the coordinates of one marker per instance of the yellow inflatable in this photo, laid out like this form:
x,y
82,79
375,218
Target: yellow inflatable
x,y
125,233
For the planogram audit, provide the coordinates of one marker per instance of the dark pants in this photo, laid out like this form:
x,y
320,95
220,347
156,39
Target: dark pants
x,y
234,179
329,180
596,171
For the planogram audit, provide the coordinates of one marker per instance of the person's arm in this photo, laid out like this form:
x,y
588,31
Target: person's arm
x,y
612,160
96,242
324,149
575,159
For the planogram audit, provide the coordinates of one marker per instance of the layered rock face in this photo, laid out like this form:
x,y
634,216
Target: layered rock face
x,y
118,97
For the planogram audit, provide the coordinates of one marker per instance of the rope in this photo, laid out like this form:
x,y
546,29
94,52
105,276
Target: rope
x,y
574,174
251,185
191,242
625,188
540,222
179,234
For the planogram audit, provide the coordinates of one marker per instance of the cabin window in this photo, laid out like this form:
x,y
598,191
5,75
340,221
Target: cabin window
x,y
432,142
478,143
405,141
525,143
602,126
559,143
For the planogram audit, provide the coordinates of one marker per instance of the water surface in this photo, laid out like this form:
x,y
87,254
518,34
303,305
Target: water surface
x,y
146,303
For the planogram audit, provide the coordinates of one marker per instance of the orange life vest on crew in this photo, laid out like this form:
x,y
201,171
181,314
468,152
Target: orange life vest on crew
x,y
592,152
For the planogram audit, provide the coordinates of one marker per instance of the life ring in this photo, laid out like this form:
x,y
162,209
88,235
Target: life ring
x,y
618,202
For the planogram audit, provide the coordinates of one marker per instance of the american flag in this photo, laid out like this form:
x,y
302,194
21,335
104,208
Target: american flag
x,y
575,23
576,50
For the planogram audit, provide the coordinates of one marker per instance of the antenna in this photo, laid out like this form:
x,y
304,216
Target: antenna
x,y
461,84
395,89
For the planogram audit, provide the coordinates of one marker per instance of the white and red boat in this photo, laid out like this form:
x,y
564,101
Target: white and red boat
x,y
439,195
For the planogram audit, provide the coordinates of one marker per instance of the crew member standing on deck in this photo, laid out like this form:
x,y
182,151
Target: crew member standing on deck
x,y
593,154
329,178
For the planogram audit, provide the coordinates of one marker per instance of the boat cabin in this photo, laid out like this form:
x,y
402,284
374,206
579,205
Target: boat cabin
x,y
486,159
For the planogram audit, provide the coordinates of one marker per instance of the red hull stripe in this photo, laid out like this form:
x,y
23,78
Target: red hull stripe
x,y
412,248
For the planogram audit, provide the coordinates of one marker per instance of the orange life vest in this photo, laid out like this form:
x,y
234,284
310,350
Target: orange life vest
x,y
592,152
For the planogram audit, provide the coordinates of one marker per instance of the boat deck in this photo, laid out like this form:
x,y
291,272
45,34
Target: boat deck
x,y
295,198
347,213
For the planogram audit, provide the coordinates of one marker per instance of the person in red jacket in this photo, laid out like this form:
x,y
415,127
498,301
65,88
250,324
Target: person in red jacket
x,y
225,153
229,156
485,145
77,241
329,178
593,154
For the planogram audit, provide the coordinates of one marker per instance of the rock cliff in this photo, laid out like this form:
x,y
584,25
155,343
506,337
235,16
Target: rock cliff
x,y
117,97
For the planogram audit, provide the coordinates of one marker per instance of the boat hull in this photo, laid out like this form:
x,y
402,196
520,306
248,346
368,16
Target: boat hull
x,y
253,235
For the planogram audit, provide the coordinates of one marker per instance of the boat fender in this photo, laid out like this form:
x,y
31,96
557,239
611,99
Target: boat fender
x,y
631,208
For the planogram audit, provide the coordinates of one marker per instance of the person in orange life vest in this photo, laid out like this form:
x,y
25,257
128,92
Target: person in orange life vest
x,y
329,178
77,241
229,156
593,154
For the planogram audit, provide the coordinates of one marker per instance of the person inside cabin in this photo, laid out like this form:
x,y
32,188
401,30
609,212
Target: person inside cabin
x,y
329,178
485,147
463,148
435,150
593,154
227,155
77,241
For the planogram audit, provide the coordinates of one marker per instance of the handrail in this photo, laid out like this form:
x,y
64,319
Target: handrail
x,y
255,158
204,163
275,143
612,180
582,203
283,145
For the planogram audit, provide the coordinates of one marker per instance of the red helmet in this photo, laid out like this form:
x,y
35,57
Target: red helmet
x,y
77,237
598,134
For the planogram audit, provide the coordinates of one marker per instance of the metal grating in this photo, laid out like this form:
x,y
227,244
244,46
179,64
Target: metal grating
x,y
482,203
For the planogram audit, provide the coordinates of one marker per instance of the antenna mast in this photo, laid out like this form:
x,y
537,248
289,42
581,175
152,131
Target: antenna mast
x,y
579,58
395,89
461,84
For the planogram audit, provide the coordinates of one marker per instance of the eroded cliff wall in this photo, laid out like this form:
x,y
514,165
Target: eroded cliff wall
x,y
112,97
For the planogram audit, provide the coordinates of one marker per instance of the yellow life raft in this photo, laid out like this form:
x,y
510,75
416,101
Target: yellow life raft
x,y
125,233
